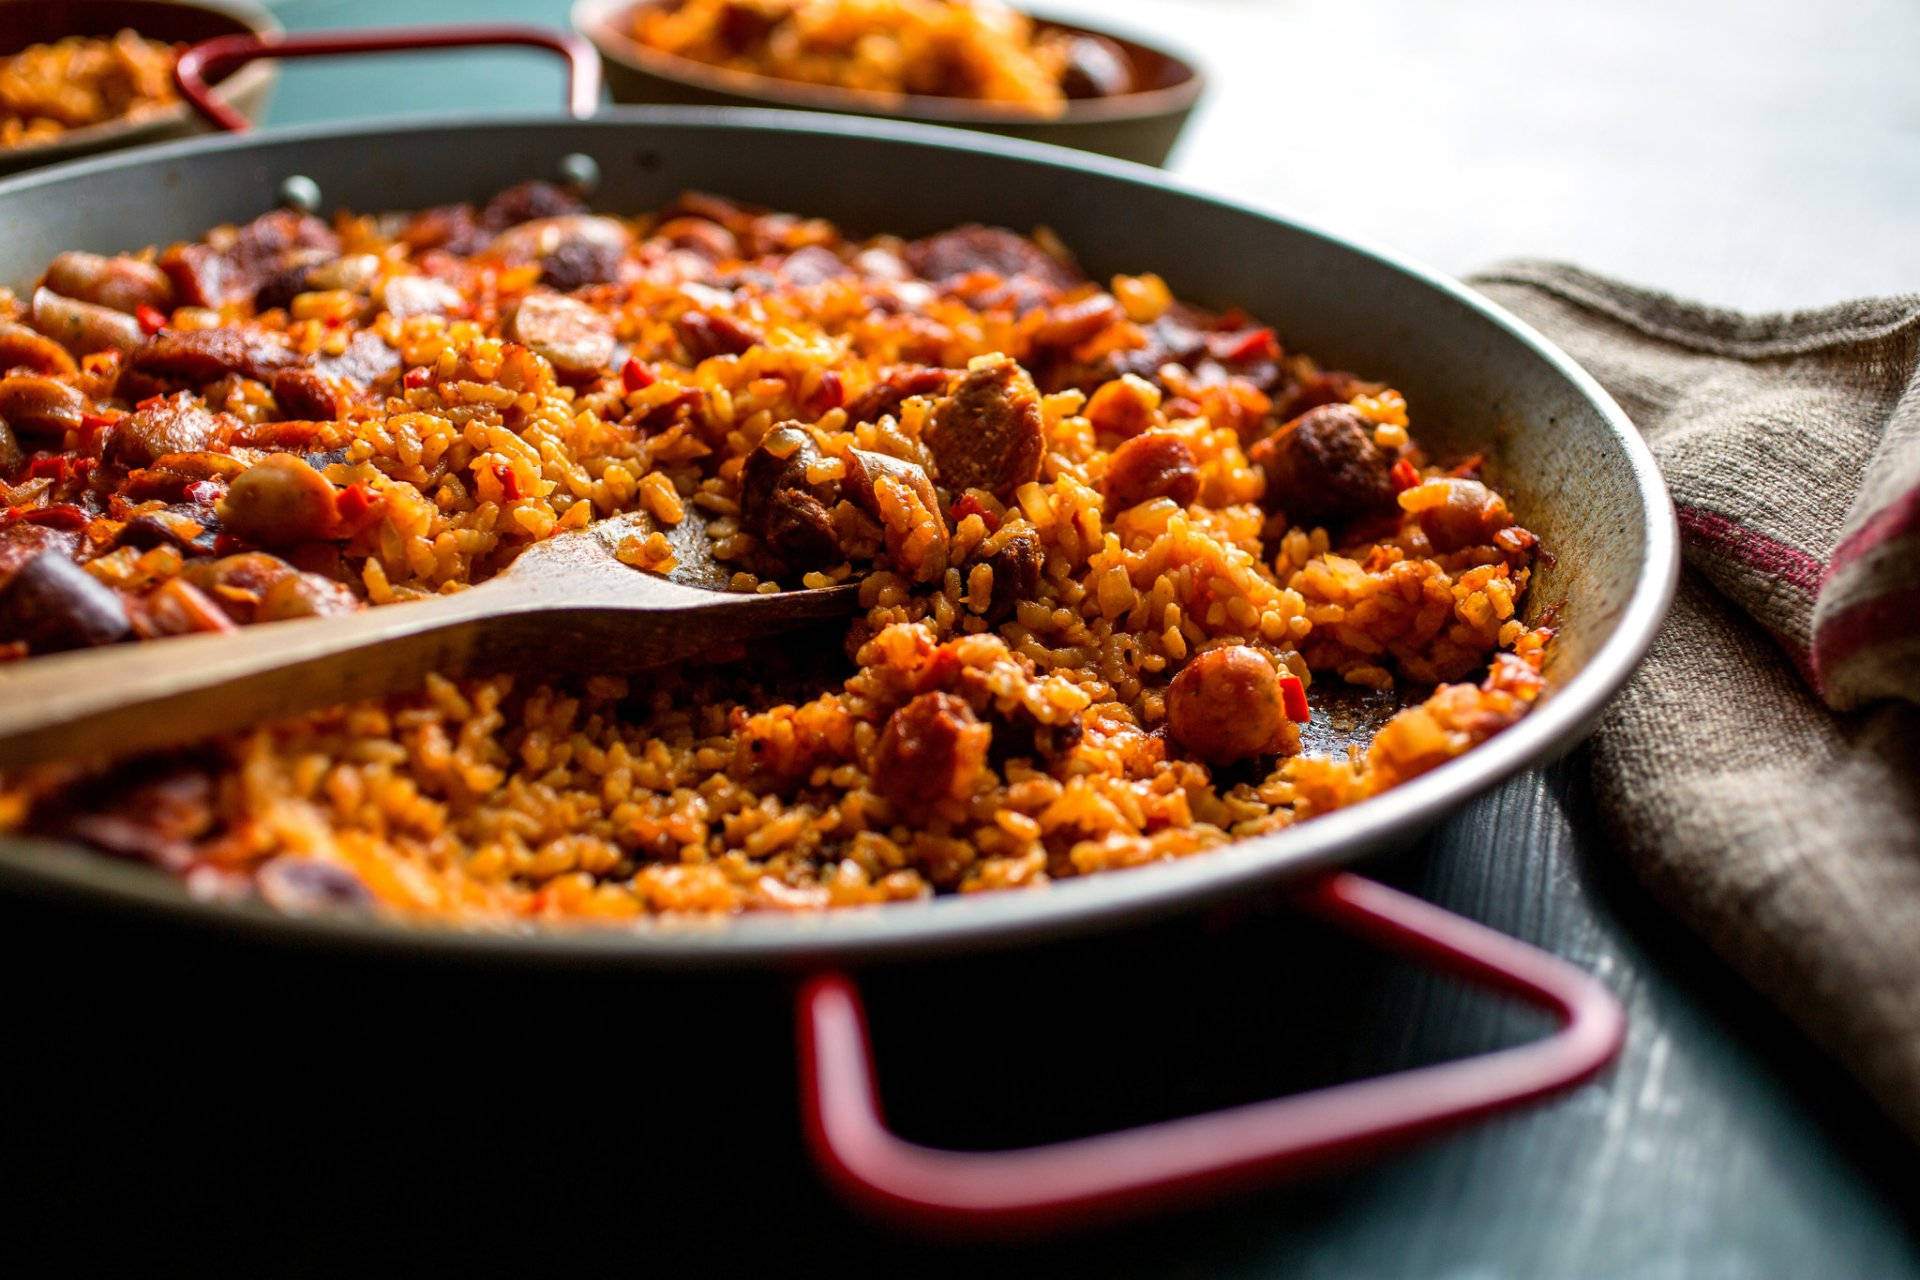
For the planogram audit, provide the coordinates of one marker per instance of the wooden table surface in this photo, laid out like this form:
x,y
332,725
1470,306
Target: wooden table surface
x,y
1757,155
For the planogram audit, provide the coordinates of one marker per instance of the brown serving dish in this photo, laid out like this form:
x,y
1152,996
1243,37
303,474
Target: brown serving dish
x,y
1140,126
28,22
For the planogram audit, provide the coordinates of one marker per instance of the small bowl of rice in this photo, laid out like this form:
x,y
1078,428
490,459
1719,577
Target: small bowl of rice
x,y
975,64
76,79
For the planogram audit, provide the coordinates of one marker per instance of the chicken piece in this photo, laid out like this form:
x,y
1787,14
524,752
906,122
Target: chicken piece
x,y
988,434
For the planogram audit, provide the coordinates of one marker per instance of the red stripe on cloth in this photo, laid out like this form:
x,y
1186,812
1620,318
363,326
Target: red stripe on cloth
x,y
1895,520
1751,548
1871,622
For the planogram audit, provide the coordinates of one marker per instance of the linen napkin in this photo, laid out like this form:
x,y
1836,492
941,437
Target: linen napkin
x,y
1762,769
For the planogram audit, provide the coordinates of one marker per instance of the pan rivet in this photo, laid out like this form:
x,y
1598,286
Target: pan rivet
x,y
298,191
582,172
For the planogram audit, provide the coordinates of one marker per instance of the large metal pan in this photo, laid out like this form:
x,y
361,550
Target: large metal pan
x,y
1480,382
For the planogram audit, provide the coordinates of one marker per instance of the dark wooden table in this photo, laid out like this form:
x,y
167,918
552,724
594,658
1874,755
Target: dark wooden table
x,y
309,1117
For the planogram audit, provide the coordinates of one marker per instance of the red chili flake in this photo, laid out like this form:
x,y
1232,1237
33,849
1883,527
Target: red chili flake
x,y
1405,474
1254,344
635,376
418,377
61,515
1293,698
832,393
968,505
152,319
509,481
205,492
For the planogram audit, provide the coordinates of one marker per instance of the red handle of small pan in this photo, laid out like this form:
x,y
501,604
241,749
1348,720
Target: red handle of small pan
x,y
211,59
1116,1174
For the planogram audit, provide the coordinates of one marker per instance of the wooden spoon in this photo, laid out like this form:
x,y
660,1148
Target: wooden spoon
x,y
565,607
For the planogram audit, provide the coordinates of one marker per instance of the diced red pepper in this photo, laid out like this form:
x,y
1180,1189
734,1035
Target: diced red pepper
x,y
417,377
968,505
54,465
358,506
152,319
60,515
1405,474
635,376
832,393
97,421
1254,344
205,492
149,402
509,481
1293,698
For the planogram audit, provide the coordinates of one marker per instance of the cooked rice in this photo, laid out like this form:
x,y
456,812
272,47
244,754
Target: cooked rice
x,y
568,796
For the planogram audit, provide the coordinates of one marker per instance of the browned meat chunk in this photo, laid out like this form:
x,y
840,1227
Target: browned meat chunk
x,y
988,434
304,595
1016,575
706,334
175,425
897,385
790,514
1324,469
994,249
1096,68
916,533
22,348
1155,465
701,236
239,582
82,327
279,502
527,201
931,753
800,530
33,405
172,474
366,363
1226,705
573,250
272,245
304,395
573,336
200,356
53,604
1469,517
1072,323
20,543
122,283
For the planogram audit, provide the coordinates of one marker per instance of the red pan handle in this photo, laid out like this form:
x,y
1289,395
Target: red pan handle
x,y
214,58
1115,1174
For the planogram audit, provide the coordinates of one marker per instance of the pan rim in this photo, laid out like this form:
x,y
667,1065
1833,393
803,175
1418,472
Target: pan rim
x,y
956,923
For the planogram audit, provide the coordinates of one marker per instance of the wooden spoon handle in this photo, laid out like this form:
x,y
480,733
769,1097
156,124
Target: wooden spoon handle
x,y
163,693
132,698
